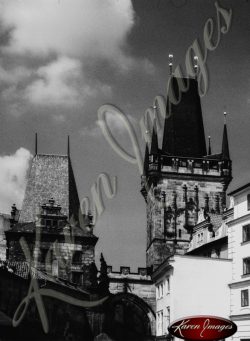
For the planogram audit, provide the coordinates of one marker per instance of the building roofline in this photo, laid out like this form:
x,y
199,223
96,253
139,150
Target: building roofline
x,y
239,219
202,257
57,155
239,189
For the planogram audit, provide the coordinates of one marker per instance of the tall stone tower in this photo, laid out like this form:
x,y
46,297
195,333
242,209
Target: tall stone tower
x,y
182,181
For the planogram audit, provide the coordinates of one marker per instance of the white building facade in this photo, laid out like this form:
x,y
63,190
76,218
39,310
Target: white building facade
x,y
190,285
239,252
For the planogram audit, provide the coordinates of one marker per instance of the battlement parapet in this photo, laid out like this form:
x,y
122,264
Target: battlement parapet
x,y
125,271
187,165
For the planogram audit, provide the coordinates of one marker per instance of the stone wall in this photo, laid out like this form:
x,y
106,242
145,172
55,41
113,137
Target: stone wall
x,y
55,259
184,206
137,283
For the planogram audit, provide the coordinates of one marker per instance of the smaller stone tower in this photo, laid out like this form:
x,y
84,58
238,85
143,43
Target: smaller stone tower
x,y
58,238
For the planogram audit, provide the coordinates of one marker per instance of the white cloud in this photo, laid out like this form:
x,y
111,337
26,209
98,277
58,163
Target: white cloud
x,y
14,75
62,82
76,28
13,178
57,83
78,34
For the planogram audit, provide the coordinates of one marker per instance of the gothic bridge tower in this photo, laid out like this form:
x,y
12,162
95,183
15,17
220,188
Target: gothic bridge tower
x,y
182,180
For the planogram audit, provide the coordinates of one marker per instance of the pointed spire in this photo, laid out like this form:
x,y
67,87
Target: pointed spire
x,y
68,147
183,129
209,146
146,160
154,140
225,146
35,143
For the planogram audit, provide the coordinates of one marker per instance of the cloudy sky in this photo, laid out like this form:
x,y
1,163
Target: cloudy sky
x,y
60,60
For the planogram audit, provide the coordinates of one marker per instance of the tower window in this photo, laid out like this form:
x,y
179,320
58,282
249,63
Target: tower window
x,y
244,298
246,233
76,277
77,257
246,266
248,202
48,223
46,254
43,255
179,233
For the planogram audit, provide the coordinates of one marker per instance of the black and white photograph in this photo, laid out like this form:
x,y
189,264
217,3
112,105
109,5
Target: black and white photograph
x,y
124,170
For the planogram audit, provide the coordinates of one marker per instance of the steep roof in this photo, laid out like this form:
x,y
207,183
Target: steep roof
x,y
154,140
184,132
50,176
225,146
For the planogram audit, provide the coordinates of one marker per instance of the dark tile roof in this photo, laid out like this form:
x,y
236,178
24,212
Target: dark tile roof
x,y
22,269
50,176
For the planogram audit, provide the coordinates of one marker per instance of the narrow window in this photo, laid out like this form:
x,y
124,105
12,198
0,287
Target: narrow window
x,y
217,251
76,277
244,298
43,254
161,323
48,222
168,284
55,223
46,255
179,233
246,233
168,316
77,257
248,202
246,266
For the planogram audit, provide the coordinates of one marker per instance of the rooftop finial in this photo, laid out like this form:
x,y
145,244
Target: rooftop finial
x,y
225,117
196,65
36,144
155,108
209,145
68,147
170,63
